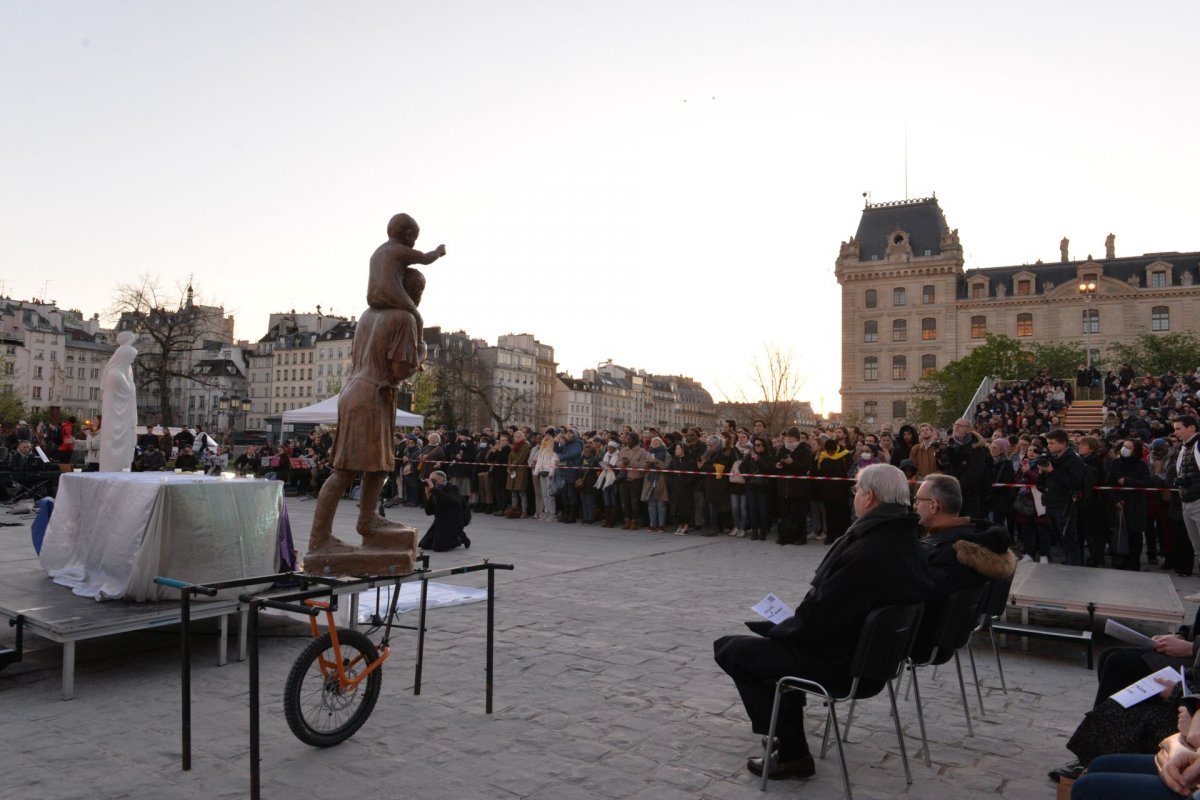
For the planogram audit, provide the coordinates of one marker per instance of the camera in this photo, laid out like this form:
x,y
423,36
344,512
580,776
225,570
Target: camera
x,y
1189,487
1042,461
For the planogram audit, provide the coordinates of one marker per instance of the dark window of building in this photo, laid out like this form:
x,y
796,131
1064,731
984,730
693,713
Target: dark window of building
x,y
871,300
899,409
870,368
1091,320
928,295
870,411
899,330
1025,287
899,368
1160,318
898,296
1158,280
928,365
928,329
977,291
870,331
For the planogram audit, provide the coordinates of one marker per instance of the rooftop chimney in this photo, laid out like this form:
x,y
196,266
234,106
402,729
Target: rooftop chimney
x,y
1110,246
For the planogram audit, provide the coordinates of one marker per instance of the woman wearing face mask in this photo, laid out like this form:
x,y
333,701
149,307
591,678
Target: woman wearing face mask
x,y
1127,510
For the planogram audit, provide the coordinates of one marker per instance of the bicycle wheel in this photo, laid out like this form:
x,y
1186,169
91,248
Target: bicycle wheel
x,y
319,710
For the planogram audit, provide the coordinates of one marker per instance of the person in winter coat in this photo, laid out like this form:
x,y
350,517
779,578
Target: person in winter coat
x,y
655,489
1000,470
518,476
960,553
758,463
631,460
681,488
606,483
544,467
569,449
793,459
1127,510
906,438
834,462
968,463
444,503
878,563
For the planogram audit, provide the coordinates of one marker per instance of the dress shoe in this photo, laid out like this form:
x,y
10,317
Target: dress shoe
x,y
802,767
1192,598
1070,772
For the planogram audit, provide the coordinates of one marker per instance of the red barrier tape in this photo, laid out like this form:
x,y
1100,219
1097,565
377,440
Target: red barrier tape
x,y
772,476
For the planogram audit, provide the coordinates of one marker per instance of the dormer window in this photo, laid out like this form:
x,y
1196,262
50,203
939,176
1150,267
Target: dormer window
x,y
1158,279
1024,287
978,291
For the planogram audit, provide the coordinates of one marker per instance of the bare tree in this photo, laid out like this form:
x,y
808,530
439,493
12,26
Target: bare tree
x,y
503,402
171,328
776,386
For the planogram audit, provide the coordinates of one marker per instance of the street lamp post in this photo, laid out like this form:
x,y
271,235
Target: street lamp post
x,y
1087,288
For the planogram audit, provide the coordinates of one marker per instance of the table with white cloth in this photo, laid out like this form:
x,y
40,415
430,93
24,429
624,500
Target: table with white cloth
x,y
111,533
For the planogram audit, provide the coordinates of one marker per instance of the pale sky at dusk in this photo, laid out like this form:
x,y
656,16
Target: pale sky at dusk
x,y
665,184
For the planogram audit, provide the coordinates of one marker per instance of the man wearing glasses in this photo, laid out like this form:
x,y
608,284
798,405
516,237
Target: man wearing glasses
x,y
959,553
878,562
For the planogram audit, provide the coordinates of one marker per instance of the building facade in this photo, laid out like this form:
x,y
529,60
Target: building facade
x,y
910,307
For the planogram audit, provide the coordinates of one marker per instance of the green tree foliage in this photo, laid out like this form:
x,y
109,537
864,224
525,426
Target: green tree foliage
x,y
941,397
1155,353
11,407
1056,360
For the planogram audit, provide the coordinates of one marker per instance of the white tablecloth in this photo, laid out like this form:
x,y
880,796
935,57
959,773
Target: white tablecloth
x,y
111,533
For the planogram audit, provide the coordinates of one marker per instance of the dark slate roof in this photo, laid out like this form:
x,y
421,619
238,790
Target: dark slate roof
x,y
215,367
921,219
1058,273
576,384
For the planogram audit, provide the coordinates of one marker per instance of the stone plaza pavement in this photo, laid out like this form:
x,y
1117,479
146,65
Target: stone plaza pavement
x,y
605,688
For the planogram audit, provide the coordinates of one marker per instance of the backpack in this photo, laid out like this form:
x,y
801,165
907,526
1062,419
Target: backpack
x,y
466,511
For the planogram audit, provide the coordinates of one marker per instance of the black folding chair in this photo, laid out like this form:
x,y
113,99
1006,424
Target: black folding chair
x,y
952,630
883,646
992,608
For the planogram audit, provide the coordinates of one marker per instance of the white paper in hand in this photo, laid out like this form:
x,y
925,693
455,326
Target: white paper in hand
x,y
1146,688
773,609
1126,634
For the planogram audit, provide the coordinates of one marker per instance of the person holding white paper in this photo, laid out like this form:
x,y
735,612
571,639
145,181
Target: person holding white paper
x,y
877,563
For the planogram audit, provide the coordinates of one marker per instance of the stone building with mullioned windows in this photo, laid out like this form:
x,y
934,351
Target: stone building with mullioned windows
x,y
909,305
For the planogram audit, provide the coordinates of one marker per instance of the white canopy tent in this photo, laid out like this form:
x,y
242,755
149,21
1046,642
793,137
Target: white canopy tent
x,y
325,413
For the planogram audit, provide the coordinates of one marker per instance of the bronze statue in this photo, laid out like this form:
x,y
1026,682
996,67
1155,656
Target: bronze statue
x,y
388,348
1062,248
1110,246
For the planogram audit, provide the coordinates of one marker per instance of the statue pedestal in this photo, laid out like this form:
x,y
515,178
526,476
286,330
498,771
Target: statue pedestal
x,y
393,554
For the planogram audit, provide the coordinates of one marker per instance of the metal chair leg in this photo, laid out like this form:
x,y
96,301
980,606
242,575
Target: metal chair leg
x,y
962,690
899,734
999,666
841,752
975,675
830,718
849,719
920,715
770,737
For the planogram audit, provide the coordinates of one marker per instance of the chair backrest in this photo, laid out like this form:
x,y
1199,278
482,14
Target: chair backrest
x,y
960,614
887,636
997,596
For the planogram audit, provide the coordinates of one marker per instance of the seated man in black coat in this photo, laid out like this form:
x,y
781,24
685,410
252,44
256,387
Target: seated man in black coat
x,y
444,503
878,562
961,553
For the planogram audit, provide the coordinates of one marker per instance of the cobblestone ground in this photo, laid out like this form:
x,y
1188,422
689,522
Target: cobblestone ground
x,y
605,688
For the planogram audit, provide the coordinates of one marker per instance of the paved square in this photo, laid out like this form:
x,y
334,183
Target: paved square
x,y
605,688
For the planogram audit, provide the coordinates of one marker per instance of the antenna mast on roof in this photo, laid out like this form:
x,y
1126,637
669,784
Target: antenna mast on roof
x,y
906,158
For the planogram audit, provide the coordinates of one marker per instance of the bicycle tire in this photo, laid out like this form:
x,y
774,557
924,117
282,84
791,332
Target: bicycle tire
x,y
318,711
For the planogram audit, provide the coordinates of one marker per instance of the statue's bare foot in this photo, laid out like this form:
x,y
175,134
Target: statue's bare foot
x,y
331,545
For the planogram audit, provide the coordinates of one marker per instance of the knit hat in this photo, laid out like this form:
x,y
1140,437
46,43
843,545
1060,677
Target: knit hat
x,y
1160,444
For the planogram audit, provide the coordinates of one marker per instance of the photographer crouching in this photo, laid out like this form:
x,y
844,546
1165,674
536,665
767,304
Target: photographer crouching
x,y
444,503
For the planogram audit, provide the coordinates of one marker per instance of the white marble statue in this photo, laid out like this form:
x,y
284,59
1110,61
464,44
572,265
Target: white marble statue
x,y
118,404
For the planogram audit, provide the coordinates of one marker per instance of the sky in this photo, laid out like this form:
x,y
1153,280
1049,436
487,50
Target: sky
x,y
663,184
